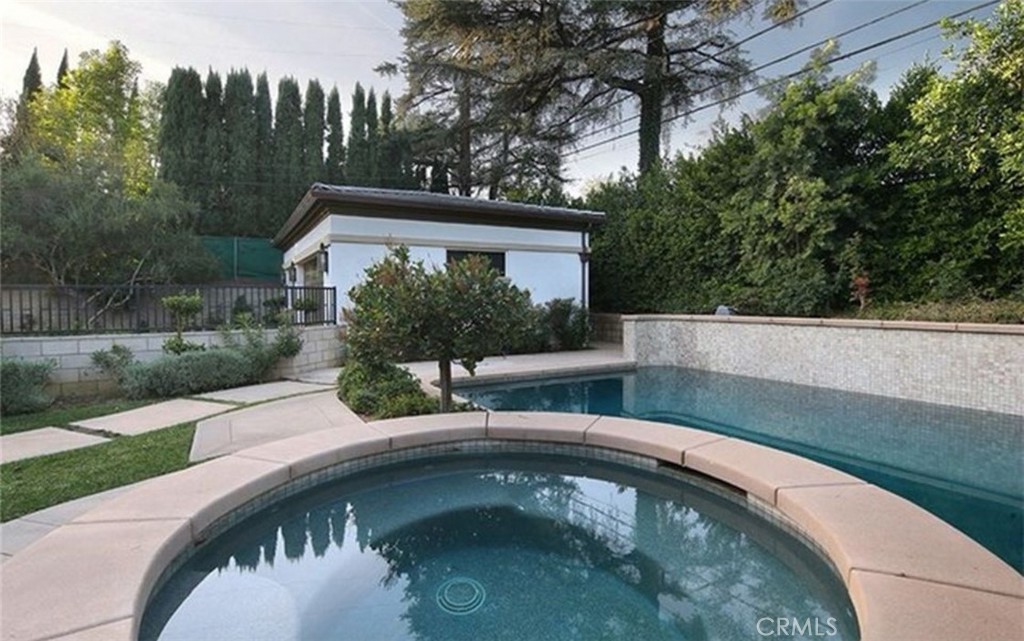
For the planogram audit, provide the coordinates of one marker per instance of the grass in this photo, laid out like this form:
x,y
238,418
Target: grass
x,y
36,483
64,414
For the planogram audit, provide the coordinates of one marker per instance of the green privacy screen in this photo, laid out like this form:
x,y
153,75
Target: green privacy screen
x,y
246,258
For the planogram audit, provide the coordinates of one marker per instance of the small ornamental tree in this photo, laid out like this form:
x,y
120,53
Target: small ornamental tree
x,y
461,313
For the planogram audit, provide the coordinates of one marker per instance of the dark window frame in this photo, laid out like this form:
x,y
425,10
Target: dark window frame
x,y
496,259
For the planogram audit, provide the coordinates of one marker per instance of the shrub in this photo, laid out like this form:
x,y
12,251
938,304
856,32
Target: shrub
x,y
188,373
22,384
415,404
567,323
178,345
251,342
114,362
183,308
381,388
306,305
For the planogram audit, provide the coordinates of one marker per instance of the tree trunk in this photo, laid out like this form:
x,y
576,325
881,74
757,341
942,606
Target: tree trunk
x,y
445,367
465,181
653,94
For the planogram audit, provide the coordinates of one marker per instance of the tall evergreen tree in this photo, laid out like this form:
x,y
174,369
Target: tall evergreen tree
x,y
265,176
313,133
240,142
32,83
335,169
288,168
213,216
357,162
180,143
17,139
372,140
62,71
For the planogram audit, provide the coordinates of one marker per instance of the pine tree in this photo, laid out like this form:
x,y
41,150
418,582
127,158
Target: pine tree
x,y
213,219
335,169
33,80
389,161
180,143
372,140
313,133
357,162
265,175
62,71
288,169
240,143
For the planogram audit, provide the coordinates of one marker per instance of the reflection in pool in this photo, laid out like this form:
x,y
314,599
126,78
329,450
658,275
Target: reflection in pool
x,y
965,466
502,547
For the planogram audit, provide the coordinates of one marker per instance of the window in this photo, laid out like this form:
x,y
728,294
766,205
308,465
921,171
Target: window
x,y
496,259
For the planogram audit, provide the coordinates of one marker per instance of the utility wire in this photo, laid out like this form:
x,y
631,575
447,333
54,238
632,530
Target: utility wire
x,y
789,76
771,63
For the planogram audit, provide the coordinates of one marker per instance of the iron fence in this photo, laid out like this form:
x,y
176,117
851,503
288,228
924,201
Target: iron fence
x,y
99,309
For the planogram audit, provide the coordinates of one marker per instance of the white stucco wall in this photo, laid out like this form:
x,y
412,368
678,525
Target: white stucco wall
x,y
544,261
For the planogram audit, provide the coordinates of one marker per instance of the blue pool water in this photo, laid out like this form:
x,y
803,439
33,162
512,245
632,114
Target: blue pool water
x,y
503,547
965,466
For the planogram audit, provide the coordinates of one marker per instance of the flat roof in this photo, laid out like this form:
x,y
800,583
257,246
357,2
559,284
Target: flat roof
x,y
323,200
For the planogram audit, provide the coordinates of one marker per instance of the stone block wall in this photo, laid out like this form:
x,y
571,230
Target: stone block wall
x,y
75,375
960,364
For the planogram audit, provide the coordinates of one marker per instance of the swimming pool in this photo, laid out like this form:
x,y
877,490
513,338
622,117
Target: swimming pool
x,y
965,466
504,546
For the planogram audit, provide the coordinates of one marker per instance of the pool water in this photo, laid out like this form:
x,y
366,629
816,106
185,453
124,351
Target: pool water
x,y
965,466
503,547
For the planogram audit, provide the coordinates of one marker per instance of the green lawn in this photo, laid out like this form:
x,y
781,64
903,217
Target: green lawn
x,y
36,483
61,415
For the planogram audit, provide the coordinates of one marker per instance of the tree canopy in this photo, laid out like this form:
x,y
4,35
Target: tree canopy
x,y
460,313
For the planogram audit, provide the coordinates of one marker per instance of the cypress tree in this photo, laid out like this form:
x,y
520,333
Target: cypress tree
x,y
335,169
357,162
389,160
180,144
62,71
264,159
313,133
240,142
213,217
288,156
372,140
32,83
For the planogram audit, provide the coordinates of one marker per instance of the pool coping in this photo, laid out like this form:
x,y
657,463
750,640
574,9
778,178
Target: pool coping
x,y
909,574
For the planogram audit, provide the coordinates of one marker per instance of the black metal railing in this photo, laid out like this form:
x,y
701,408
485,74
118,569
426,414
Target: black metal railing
x,y
98,309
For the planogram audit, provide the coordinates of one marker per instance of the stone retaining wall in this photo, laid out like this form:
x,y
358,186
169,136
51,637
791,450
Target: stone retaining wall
x,y
960,364
75,375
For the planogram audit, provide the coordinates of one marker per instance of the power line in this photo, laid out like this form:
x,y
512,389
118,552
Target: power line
x,y
753,36
773,62
790,76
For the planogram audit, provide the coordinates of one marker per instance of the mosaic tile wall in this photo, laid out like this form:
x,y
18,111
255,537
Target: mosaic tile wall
x,y
976,367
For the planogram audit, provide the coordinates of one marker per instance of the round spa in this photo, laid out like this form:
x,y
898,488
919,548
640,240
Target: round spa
x,y
499,543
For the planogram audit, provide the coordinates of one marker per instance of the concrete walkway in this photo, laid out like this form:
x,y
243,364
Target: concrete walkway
x,y
43,440
273,421
264,392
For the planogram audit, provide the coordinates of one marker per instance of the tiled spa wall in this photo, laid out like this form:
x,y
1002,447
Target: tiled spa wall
x,y
965,365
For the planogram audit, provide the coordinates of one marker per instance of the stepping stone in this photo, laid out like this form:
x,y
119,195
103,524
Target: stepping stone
x,y
45,440
153,417
263,392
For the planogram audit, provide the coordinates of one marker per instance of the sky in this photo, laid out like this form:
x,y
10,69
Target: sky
x,y
340,43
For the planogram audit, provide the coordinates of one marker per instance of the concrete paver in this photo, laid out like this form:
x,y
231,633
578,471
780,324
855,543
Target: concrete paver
x,y
262,392
45,440
153,417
